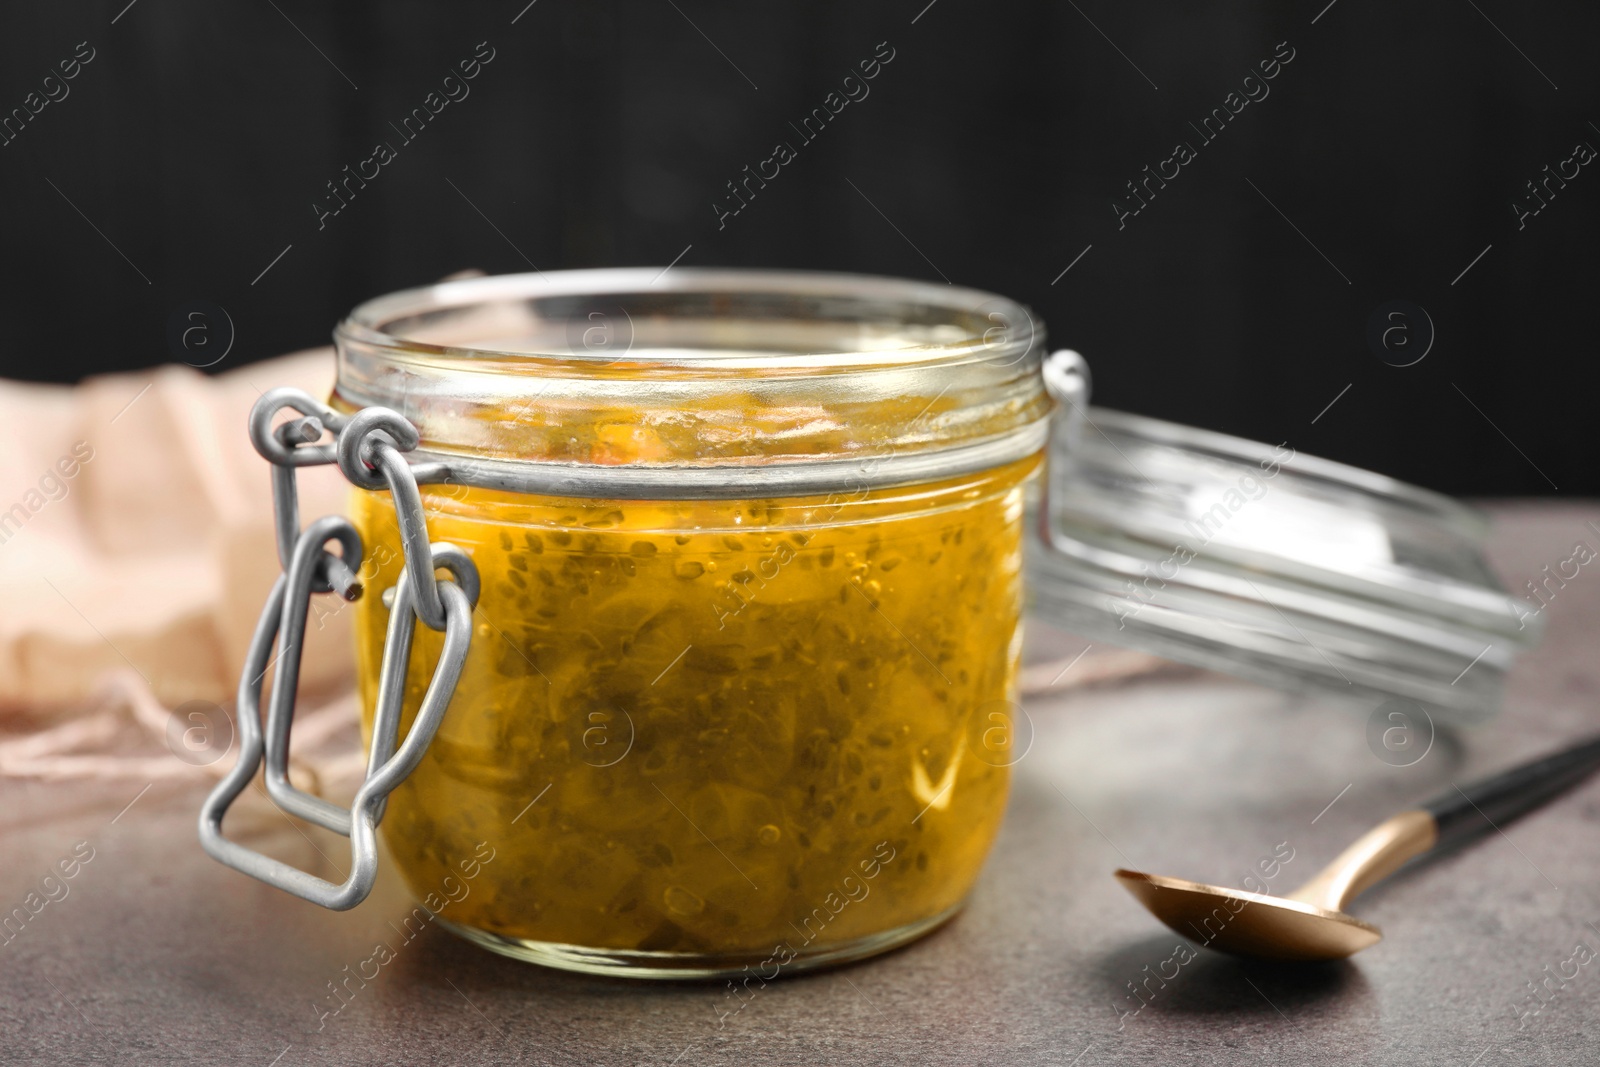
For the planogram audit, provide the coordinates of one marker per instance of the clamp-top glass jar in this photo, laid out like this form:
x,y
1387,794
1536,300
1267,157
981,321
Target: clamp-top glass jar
x,y
746,548
720,673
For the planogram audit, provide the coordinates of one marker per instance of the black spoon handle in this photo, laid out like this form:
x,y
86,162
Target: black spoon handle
x,y
1461,813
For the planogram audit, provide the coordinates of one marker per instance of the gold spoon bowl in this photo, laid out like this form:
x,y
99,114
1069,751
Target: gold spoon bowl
x,y
1307,924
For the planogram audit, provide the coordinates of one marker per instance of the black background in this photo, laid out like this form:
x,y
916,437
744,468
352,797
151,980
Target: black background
x,y
990,152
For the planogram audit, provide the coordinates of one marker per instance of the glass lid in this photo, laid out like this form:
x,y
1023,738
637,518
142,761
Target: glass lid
x,y
1266,563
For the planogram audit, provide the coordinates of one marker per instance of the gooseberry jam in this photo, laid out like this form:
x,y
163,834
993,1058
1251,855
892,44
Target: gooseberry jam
x,y
695,727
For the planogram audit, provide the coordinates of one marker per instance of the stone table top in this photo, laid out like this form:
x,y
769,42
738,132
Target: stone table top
x,y
159,955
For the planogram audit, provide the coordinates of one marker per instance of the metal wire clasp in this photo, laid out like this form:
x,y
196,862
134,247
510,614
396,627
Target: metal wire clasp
x,y
368,448
1066,379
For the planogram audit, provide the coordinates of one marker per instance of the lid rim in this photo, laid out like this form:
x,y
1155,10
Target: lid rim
x,y
364,324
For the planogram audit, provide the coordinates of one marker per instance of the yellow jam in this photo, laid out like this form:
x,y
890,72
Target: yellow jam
x,y
753,730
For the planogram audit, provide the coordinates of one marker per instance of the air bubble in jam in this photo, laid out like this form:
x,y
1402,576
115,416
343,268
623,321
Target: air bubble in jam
x,y
681,902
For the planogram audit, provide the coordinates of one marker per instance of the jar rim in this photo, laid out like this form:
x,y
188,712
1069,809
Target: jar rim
x,y
998,329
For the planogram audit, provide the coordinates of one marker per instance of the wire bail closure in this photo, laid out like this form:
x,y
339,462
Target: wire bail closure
x,y
368,448
1067,380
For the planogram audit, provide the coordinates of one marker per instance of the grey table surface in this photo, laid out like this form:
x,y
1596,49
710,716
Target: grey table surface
x,y
159,955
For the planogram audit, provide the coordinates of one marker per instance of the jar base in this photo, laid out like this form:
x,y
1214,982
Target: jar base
x,y
626,963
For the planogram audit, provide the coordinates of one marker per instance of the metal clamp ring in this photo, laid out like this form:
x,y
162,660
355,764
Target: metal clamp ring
x,y
391,759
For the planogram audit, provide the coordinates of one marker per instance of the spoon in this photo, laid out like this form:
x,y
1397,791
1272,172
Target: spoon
x,y
1310,923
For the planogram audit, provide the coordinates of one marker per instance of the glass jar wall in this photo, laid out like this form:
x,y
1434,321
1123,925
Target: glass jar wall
x,y
746,703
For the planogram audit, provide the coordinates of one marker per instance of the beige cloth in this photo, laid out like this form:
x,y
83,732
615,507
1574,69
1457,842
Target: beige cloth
x,y
155,554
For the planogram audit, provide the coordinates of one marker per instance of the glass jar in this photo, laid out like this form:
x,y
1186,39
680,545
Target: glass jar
x,y
742,665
